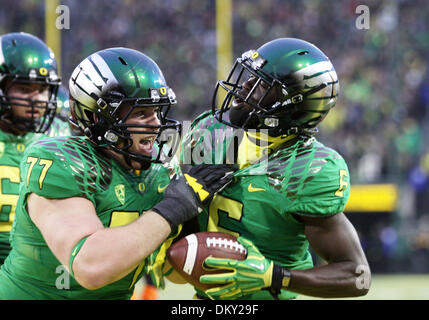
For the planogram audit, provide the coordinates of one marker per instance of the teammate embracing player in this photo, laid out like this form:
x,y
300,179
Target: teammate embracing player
x,y
100,205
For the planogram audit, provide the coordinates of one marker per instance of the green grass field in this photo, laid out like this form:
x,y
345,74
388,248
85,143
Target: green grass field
x,y
383,287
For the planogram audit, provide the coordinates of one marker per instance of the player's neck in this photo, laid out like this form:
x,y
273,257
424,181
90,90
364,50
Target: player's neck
x,y
8,127
120,159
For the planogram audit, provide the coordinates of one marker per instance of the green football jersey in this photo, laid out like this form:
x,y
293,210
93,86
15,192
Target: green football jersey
x,y
301,177
12,148
66,167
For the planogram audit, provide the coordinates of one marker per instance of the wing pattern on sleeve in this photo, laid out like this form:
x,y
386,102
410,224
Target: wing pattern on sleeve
x,y
77,157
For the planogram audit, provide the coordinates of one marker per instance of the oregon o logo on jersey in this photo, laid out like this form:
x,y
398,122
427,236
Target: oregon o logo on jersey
x,y
20,147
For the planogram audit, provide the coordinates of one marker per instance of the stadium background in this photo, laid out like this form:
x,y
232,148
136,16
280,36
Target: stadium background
x,y
379,124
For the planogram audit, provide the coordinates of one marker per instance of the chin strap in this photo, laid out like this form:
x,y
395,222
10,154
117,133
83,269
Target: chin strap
x,y
256,145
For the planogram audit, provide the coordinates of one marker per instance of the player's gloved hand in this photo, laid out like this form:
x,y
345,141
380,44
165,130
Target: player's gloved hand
x,y
187,194
245,276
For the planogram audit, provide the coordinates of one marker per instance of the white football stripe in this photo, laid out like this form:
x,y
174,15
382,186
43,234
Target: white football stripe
x,y
191,254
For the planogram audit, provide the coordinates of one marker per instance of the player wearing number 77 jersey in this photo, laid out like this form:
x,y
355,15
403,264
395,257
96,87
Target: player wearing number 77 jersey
x,y
82,198
294,198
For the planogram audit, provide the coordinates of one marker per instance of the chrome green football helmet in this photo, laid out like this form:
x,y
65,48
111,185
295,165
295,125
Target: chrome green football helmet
x,y
286,86
25,59
108,81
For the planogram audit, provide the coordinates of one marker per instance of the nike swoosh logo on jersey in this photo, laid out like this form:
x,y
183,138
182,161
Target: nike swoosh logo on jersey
x,y
251,189
260,266
161,189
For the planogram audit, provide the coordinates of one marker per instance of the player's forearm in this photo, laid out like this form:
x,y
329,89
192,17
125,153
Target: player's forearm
x,y
109,254
335,280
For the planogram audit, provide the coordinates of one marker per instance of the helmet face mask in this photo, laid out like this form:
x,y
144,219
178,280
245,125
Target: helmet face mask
x,y
27,62
286,86
119,135
106,111
249,96
26,114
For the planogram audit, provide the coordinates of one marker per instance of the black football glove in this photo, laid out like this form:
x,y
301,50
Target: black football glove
x,y
187,194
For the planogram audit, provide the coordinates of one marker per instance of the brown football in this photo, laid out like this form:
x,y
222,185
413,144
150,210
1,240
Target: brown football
x,y
188,254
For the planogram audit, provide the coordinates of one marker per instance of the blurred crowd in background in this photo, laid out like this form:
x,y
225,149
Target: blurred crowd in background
x,y
379,125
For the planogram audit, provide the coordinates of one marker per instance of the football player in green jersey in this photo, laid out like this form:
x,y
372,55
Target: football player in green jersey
x,y
28,89
291,190
101,206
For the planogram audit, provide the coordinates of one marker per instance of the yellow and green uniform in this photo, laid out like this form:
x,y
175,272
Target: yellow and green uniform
x,y
65,167
301,177
12,148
